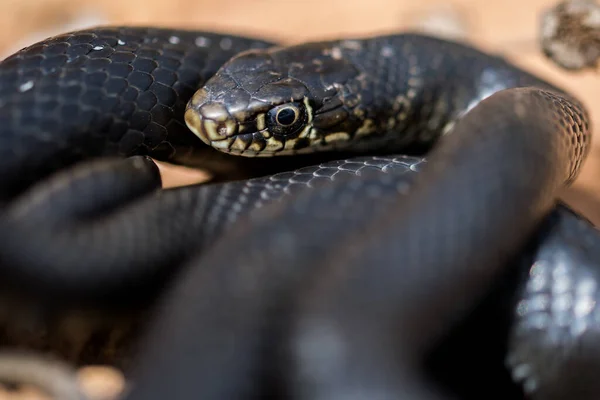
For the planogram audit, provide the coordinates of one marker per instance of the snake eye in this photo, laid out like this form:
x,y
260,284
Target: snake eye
x,y
286,119
286,116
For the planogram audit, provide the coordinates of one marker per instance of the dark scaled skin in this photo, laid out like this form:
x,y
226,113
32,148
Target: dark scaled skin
x,y
109,298
305,310
104,92
355,95
240,296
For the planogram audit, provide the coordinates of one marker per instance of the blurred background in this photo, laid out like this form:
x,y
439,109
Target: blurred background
x,y
508,27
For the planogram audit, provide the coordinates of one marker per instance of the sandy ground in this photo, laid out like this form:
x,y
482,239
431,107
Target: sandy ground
x,y
509,27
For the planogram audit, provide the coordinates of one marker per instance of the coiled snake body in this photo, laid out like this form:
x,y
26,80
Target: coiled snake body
x,y
344,289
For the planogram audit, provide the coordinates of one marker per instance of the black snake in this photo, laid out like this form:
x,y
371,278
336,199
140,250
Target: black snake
x,y
369,285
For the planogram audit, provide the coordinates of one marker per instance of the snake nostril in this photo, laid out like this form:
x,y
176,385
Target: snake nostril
x,y
227,128
213,130
222,130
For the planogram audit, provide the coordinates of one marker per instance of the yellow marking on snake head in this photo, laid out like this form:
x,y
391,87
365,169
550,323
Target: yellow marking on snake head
x,y
193,122
309,110
290,144
238,144
210,129
273,145
366,128
260,122
337,137
256,147
227,128
222,144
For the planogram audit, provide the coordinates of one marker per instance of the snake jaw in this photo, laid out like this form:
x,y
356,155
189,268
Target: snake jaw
x,y
213,123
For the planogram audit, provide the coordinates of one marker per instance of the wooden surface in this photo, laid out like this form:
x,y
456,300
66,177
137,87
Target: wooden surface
x,y
508,27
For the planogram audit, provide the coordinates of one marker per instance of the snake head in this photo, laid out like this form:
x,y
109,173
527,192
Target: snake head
x,y
267,102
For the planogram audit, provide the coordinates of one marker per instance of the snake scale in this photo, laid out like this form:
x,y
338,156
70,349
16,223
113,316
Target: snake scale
x,y
403,217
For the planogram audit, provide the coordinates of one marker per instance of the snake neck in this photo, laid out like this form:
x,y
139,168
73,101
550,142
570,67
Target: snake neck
x,y
409,89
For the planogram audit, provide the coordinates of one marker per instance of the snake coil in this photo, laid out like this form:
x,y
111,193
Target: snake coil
x,y
344,275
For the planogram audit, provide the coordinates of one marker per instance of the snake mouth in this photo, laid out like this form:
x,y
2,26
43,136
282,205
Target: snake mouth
x,y
216,128
213,125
